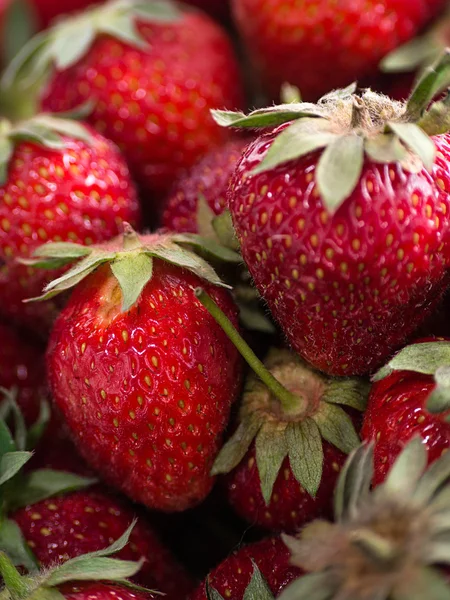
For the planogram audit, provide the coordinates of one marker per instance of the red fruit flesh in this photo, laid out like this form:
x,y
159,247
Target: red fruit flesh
x,y
291,506
156,104
396,412
208,178
101,591
87,521
22,366
146,393
320,45
80,194
232,576
349,288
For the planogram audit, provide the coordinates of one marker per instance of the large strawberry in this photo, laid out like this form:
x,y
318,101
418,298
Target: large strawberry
x,y
342,213
290,440
153,70
142,374
238,576
201,194
59,181
322,44
388,544
398,404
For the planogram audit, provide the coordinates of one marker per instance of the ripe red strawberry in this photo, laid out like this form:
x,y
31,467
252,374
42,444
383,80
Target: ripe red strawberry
x,y
67,526
22,366
59,182
153,79
142,374
232,577
384,544
102,591
397,408
201,194
324,44
342,213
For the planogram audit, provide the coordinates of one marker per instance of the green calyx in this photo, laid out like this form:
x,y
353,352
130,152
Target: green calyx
x,y
426,358
44,130
131,258
19,489
346,126
68,41
385,543
257,589
287,409
95,566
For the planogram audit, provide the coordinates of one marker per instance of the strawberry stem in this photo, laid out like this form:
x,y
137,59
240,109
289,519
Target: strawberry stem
x,y
291,403
14,582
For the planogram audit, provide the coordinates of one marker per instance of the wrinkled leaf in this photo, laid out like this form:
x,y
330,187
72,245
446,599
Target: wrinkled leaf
x,y
407,470
305,454
271,450
417,140
234,450
11,463
424,358
337,427
257,589
353,392
354,482
133,274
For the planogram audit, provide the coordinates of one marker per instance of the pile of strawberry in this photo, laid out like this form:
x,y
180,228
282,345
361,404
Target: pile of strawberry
x,y
224,300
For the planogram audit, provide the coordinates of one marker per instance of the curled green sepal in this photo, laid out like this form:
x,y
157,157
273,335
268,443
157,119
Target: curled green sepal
x,y
424,357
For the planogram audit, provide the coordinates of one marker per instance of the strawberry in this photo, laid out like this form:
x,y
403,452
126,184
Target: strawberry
x,y
398,405
326,45
142,374
288,413
233,577
342,213
219,9
102,591
152,70
201,194
384,545
67,526
22,366
59,181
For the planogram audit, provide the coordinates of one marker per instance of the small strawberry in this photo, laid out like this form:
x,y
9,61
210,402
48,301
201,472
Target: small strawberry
x,y
142,374
342,214
22,366
202,193
389,544
153,71
323,44
59,181
237,576
291,438
398,407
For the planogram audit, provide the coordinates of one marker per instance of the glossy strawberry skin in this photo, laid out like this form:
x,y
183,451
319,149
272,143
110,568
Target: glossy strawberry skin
x,y
349,288
233,575
102,591
147,393
80,194
396,412
326,44
291,506
86,521
156,104
209,178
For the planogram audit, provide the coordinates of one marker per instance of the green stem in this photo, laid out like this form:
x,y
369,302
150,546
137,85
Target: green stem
x,y
290,402
131,239
15,584
434,80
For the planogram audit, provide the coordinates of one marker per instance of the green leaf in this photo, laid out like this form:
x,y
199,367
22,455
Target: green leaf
x,y
67,127
223,227
424,583
212,593
115,547
434,80
7,444
354,483
157,11
435,476
19,26
93,569
385,148
297,140
267,117
234,450
61,250
125,29
6,152
339,170
13,543
305,454
409,57
209,247
405,473
11,463
34,132
45,483
18,69
353,392
36,431
439,399
315,586
417,140
337,427
339,94
424,358
252,318
68,49
133,273
257,589
271,450
204,218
